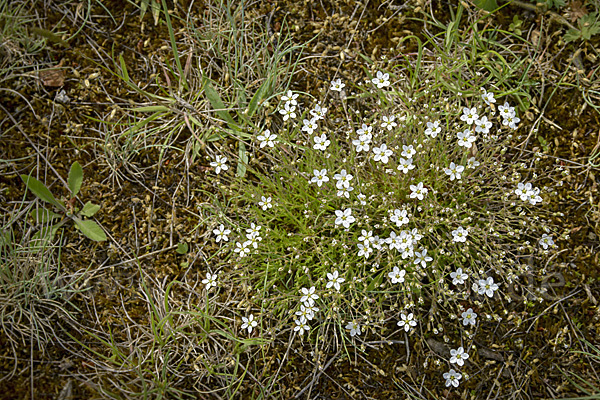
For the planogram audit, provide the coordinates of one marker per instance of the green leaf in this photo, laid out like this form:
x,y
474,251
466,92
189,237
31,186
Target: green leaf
x,y
258,96
218,105
89,209
487,5
123,68
243,160
44,236
151,109
41,191
90,229
572,35
42,215
75,178
182,248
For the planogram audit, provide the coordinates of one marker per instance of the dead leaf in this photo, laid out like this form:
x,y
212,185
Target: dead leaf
x,y
578,10
54,77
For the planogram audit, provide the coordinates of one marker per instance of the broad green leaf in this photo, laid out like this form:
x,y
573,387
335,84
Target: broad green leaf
x,y
243,160
90,229
41,191
75,178
182,248
42,215
487,5
572,35
218,105
89,209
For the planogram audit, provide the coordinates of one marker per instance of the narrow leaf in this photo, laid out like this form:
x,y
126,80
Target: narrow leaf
x,y
243,160
218,105
75,178
41,191
258,96
90,229
123,68
150,109
89,209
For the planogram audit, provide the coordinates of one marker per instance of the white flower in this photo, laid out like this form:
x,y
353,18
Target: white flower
x,y
452,378
301,326
306,312
309,296
222,233
365,130
342,179
362,198
546,241
408,151
405,165
388,122
344,218
482,125
362,143
242,248
524,190
422,258
393,241
320,177
382,153
364,250
210,281
506,110
488,97
511,121
321,142
418,191
466,139
249,323
458,356
381,80
253,231
266,139
487,286
433,129
290,97
469,317
265,203
400,217
460,234
454,171
219,164
472,163
344,192
407,321
354,328
397,275
334,280
310,125
458,277
288,111
337,85
366,238
318,112
469,115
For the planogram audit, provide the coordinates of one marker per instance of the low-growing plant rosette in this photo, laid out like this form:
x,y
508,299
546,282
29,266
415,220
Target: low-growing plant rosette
x,y
400,212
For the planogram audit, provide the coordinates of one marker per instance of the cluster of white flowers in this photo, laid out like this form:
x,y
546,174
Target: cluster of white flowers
x,y
528,193
252,239
368,148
